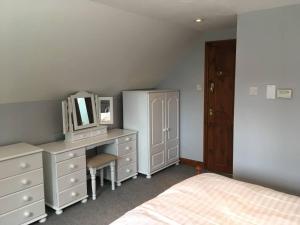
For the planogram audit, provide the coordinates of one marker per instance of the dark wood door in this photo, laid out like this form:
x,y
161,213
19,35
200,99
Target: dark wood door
x,y
219,105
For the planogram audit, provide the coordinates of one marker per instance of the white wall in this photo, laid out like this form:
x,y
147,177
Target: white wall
x,y
189,72
51,48
266,141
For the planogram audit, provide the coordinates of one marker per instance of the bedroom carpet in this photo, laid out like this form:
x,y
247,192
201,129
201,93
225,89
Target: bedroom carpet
x,y
110,205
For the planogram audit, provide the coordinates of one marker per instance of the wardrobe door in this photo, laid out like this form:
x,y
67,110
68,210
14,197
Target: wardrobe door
x,y
156,128
172,127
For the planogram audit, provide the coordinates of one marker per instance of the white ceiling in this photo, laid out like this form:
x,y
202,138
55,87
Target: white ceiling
x,y
216,13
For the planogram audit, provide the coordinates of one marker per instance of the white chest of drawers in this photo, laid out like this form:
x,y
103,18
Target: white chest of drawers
x,y
21,185
65,178
126,166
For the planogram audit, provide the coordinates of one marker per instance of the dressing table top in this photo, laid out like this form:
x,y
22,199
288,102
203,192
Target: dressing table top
x,y
17,150
62,146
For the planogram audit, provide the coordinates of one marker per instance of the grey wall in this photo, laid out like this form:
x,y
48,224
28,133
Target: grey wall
x,y
266,143
50,48
185,76
39,122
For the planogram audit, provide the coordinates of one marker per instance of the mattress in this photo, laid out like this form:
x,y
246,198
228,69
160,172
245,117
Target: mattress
x,y
214,199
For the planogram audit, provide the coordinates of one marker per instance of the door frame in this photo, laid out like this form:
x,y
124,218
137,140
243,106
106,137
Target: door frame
x,y
206,84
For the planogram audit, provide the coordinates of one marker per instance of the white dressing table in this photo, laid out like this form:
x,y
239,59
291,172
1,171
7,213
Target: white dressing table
x,y
65,165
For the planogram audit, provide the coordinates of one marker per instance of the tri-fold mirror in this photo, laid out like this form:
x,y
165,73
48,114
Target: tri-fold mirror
x,y
85,110
106,110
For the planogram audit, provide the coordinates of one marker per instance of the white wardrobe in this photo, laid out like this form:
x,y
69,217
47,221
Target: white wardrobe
x,y
155,115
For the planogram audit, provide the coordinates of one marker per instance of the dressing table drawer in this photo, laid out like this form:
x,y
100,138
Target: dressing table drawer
x,y
20,199
69,155
21,182
71,180
126,148
20,165
125,160
126,171
72,194
126,138
70,166
24,214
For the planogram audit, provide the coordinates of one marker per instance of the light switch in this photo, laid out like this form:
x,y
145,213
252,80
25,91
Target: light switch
x,y
253,90
271,92
199,88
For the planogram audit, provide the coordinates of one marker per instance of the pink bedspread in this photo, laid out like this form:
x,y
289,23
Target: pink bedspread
x,y
214,199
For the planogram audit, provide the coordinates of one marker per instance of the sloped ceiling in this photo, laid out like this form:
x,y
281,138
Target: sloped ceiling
x,y
51,48
216,13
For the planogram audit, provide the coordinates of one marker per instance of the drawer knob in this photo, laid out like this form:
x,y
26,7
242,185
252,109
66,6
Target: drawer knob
x,y
25,182
72,166
71,154
73,180
128,148
74,194
127,139
24,165
128,159
26,198
128,170
27,214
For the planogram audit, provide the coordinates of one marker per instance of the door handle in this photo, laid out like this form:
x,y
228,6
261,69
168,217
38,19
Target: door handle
x,y
211,112
212,87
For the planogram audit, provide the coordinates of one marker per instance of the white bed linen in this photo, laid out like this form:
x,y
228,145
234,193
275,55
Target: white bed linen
x,y
214,199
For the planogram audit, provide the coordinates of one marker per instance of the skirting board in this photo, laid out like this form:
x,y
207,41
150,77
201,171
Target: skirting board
x,y
197,164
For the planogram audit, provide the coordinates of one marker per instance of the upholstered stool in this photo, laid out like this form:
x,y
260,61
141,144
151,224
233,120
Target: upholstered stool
x,y
99,162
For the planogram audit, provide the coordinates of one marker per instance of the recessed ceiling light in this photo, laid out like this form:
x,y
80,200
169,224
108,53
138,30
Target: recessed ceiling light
x,y
198,20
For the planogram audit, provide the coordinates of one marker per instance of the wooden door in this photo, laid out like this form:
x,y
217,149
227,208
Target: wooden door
x,y
172,127
219,105
157,130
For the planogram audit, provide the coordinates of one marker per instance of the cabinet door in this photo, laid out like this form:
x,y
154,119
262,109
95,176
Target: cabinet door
x,y
156,128
172,127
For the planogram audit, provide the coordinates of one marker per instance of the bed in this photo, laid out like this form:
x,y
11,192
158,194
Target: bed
x,y
214,199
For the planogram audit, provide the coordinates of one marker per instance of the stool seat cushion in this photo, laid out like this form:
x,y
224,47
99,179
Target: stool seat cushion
x,y
100,160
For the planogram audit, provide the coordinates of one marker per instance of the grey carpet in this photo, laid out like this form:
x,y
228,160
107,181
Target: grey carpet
x,y
110,205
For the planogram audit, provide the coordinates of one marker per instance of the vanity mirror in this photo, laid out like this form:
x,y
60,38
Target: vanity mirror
x,y
106,110
84,107
85,114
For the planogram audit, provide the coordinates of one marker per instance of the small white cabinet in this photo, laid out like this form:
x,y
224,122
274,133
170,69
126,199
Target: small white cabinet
x,y
65,177
21,185
155,115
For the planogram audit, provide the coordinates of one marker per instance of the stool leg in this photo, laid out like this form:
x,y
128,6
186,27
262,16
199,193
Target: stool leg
x,y
101,177
93,180
112,174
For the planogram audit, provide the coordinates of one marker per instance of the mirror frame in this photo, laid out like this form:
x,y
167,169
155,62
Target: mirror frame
x,y
83,94
111,102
